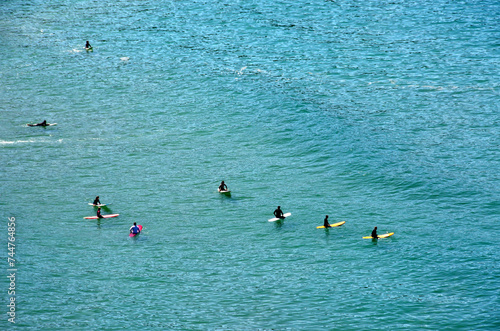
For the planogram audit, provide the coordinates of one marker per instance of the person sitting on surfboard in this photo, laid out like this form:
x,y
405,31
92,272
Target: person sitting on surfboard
x,y
87,45
325,222
99,213
135,229
96,201
222,186
278,213
374,233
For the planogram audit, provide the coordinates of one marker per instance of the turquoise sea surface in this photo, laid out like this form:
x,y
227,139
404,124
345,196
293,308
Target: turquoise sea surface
x,y
376,113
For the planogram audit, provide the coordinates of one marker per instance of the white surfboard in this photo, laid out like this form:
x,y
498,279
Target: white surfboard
x,y
277,219
224,191
101,205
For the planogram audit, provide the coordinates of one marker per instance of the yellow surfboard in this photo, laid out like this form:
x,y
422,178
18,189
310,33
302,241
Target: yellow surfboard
x,y
380,236
331,225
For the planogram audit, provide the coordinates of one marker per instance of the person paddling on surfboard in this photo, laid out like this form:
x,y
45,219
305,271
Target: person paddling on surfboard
x,y
325,222
278,213
99,213
97,201
44,123
374,233
135,229
222,186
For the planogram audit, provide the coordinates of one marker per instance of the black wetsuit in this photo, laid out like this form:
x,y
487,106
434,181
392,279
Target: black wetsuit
x,y
97,202
278,213
223,187
374,234
99,214
325,223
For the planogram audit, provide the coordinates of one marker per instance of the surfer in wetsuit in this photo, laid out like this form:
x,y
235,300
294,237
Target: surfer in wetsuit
x,y
222,186
135,229
374,233
96,201
87,45
99,213
325,222
278,213
44,123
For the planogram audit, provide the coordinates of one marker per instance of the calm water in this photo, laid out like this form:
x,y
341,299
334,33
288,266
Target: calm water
x,y
377,113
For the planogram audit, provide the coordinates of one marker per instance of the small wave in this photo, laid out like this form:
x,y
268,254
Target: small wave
x,y
241,71
398,84
8,142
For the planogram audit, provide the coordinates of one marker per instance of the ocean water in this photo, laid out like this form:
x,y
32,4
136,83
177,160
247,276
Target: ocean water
x,y
377,113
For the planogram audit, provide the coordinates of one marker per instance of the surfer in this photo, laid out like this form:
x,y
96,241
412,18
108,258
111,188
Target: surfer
x,y
44,123
87,45
96,201
135,229
99,213
374,233
325,222
222,186
278,213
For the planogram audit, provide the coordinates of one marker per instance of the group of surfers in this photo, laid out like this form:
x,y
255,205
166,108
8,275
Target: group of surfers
x,y
278,213
133,229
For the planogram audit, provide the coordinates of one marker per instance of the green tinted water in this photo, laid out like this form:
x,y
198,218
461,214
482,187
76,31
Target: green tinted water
x,y
377,114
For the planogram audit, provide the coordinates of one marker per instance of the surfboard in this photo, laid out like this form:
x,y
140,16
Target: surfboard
x,y
277,219
331,225
103,216
48,124
101,205
135,234
227,192
380,236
